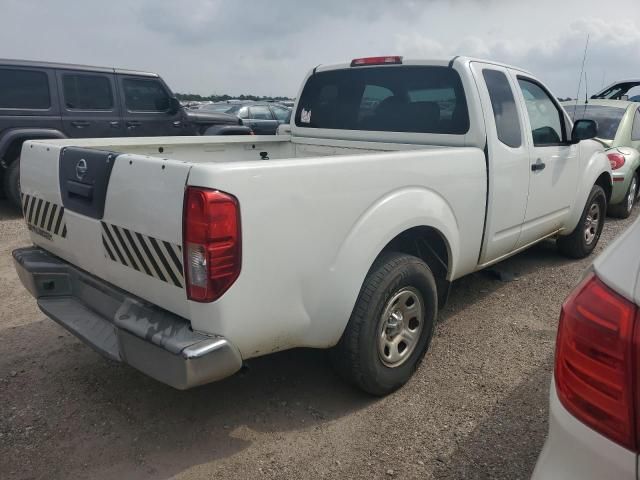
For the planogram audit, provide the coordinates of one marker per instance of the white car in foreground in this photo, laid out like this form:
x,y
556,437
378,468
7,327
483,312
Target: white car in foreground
x,y
594,418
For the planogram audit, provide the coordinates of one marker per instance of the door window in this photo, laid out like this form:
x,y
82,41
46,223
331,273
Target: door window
x,y
504,108
24,89
547,125
87,92
260,112
281,114
141,95
635,133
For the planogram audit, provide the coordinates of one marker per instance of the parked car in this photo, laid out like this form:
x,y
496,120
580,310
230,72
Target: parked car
x,y
621,90
264,118
593,418
52,100
618,128
345,234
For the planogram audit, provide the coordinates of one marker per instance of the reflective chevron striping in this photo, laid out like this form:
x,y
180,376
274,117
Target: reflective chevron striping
x,y
148,255
43,217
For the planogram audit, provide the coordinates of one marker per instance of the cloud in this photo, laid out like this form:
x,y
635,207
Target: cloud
x,y
266,47
612,53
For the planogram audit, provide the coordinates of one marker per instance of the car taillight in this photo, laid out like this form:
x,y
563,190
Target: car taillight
x,y
596,356
212,243
616,160
390,60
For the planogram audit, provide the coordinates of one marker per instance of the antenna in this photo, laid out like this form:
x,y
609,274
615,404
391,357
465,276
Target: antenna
x,y
586,88
584,59
586,94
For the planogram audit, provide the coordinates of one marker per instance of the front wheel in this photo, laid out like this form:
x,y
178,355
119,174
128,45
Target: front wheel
x,y
584,238
391,325
624,208
12,183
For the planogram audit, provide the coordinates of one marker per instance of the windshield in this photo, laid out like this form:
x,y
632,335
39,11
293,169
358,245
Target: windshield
x,y
395,99
607,118
617,91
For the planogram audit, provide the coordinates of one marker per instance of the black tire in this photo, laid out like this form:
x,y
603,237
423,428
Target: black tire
x,y
624,208
578,244
12,183
358,356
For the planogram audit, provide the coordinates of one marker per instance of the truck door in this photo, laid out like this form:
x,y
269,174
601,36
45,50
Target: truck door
x,y
553,161
147,108
89,106
507,160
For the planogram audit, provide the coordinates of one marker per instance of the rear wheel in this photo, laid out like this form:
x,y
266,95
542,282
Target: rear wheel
x,y
584,238
391,325
12,183
624,208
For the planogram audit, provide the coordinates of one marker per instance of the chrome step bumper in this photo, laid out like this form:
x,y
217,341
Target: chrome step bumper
x,y
122,327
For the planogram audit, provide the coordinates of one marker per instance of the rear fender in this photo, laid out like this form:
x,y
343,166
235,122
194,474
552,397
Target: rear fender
x,y
393,214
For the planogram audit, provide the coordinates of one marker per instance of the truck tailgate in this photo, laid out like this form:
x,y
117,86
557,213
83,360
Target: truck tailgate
x,y
116,216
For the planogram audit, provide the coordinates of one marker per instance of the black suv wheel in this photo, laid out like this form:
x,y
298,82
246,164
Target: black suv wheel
x,y
12,183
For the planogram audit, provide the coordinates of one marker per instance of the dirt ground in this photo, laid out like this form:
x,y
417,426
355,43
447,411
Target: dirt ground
x,y
476,408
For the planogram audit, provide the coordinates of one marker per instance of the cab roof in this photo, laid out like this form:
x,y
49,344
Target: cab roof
x,y
70,66
443,61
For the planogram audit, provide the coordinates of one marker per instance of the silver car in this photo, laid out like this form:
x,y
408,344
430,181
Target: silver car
x,y
594,415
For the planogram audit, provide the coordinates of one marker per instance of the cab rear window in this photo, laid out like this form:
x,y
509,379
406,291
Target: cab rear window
x,y
389,98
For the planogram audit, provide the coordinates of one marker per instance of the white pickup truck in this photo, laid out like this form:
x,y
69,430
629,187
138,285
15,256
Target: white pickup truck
x,y
184,257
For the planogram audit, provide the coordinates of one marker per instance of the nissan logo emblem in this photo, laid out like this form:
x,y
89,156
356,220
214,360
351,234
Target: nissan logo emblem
x,y
81,169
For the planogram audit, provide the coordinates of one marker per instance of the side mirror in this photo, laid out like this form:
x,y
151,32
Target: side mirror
x,y
584,130
174,105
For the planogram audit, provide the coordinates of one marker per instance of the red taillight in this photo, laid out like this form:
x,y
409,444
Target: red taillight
x,y
212,248
595,360
616,160
391,60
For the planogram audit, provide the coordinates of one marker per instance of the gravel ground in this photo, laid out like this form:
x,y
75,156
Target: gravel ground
x,y
476,408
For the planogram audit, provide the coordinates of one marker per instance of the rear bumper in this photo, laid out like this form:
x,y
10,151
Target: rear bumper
x,y
122,327
573,451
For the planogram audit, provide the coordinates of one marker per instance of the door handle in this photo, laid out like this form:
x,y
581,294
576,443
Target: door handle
x,y
80,123
132,124
114,124
538,166
177,124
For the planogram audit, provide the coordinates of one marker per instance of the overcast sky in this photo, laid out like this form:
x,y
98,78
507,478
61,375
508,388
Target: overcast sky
x,y
265,47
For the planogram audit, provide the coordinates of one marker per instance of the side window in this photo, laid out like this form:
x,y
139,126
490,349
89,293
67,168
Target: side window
x,y
504,108
87,92
260,112
24,89
635,133
243,113
142,95
281,114
547,126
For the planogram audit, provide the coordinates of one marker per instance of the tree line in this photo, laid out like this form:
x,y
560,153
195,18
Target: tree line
x,y
194,97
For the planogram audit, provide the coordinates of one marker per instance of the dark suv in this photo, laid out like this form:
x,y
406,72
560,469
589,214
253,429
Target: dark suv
x,y
47,100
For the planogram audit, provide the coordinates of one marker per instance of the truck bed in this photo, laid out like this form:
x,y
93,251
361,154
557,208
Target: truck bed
x,y
306,213
239,148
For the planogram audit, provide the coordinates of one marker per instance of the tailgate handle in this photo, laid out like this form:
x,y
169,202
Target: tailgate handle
x,y
79,190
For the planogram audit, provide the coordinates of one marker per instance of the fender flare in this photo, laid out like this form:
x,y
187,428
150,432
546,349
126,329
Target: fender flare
x,y
596,166
419,207
9,137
